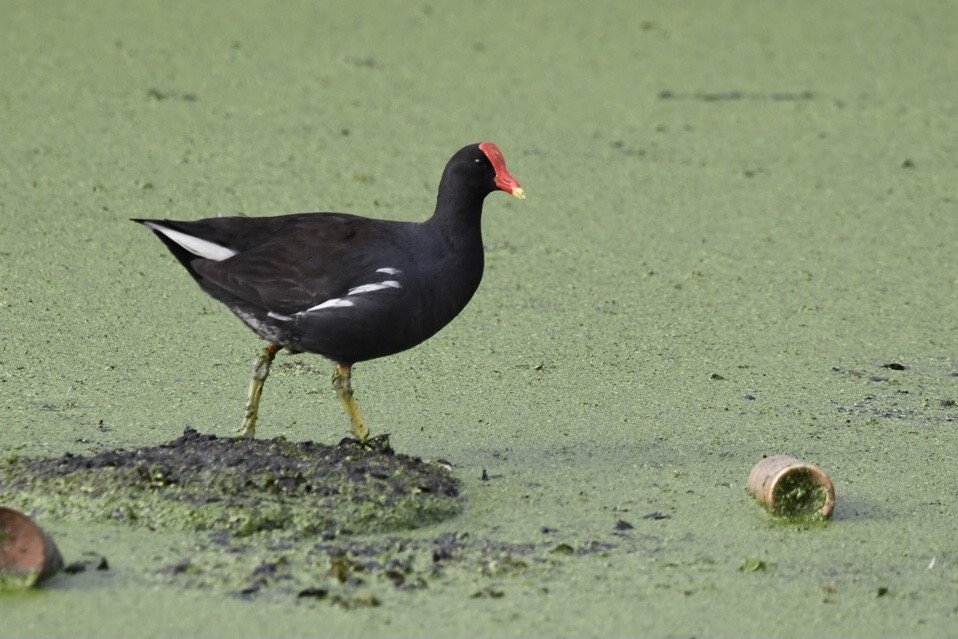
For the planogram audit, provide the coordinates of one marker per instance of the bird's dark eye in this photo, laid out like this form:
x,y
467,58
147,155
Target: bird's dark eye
x,y
477,160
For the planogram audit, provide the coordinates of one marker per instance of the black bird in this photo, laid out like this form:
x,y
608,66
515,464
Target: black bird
x,y
346,287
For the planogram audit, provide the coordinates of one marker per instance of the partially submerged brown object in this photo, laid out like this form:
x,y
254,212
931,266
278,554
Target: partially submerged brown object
x,y
27,554
790,487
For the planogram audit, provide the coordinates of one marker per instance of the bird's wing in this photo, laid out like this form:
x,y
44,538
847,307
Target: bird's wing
x,y
311,261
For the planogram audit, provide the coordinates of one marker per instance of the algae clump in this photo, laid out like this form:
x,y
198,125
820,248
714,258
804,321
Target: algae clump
x,y
243,486
799,496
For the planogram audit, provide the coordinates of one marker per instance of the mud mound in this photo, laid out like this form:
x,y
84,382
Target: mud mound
x,y
239,485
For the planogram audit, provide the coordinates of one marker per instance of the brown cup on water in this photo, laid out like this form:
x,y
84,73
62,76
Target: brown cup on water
x,y
27,554
790,487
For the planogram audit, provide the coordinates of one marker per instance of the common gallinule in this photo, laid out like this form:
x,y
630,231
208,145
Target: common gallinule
x,y
346,287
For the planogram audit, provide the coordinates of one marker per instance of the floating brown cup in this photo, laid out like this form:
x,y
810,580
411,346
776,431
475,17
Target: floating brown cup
x,y
790,487
27,555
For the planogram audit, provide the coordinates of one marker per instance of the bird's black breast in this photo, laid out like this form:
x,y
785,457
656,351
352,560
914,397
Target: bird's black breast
x,y
403,298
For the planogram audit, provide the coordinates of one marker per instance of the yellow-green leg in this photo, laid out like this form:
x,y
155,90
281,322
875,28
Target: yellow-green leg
x,y
259,375
344,391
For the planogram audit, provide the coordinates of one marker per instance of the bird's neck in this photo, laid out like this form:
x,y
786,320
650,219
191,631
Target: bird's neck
x,y
458,215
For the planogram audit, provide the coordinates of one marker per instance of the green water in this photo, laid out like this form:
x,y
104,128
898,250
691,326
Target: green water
x,y
737,216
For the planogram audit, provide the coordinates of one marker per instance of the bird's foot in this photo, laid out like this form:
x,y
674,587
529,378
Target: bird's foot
x,y
378,444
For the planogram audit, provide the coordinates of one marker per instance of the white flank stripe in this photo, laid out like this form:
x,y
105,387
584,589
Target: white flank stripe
x,y
277,316
369,288
336,302
195,245
389,270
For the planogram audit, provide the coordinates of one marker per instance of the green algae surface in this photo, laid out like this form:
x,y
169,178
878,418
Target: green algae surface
x,y
739,240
